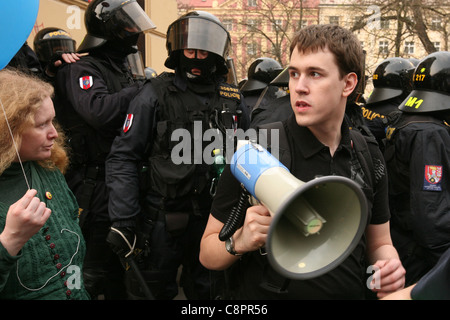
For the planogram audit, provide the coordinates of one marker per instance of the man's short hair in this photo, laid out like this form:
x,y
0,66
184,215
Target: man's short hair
x,y
344,45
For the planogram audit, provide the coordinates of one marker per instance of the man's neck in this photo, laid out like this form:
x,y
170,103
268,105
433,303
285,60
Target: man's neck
x,y
329,135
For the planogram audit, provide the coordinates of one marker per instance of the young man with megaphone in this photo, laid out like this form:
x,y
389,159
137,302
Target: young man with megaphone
x,y
326,63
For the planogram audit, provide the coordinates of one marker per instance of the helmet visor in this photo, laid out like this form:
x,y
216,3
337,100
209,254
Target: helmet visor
x,y
200,34
136,65
47,48
131,19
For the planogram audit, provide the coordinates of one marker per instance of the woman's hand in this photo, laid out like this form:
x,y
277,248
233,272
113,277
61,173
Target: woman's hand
x,y
24,219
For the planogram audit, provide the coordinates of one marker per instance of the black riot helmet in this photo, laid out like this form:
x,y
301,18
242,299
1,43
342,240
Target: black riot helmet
x,y
261,73
392,78
198,30
113,20
431,85
48,41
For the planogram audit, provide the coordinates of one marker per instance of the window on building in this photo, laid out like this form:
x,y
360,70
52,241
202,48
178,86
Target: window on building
x,y
383,47
277,25
385,24
304,23
409,47
436,23
334,20
252,3
437,45
252,24
228,24
252,49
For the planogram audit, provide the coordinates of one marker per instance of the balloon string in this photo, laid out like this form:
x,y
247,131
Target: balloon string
x,y
14,143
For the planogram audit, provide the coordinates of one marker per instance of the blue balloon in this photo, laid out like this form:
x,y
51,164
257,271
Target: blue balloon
x,y
17,18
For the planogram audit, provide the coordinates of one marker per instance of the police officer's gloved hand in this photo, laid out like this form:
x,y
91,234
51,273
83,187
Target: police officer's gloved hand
x,y
122,241
56,61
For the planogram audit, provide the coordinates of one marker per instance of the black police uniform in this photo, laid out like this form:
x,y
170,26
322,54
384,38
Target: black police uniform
x,y
91,100
257,89
392,80
274,110
178,199
434,285
26,60
252,277
417,156
259,98
376,117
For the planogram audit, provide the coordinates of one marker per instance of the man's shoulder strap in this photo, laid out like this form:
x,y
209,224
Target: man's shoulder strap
x,y
365,147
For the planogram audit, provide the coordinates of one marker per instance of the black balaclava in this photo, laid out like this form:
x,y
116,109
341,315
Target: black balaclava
x,y
207,67
124,46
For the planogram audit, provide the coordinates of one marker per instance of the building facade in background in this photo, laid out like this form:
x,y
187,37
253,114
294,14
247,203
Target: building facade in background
x,y
264,28
385,28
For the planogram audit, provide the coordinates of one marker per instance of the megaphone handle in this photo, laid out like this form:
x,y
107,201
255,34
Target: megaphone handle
x,y
235,218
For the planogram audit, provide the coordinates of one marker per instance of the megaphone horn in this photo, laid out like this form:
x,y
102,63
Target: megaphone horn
x,y
315,225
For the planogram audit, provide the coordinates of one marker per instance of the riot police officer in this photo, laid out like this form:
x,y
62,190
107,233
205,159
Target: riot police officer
x,y
43,62
257,89
277,109
92,97
53,44
392,81
174,109
418,161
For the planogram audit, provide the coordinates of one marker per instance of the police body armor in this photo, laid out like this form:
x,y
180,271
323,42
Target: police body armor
x,y
171,181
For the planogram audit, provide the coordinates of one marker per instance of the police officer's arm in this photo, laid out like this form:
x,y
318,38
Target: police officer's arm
x,y
429,185
88,93
127,151
59,59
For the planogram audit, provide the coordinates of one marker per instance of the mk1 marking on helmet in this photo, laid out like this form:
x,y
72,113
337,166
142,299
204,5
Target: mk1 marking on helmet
x,y
413,102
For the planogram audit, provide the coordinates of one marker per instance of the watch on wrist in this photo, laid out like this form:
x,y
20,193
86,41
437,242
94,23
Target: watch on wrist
x,y
229,245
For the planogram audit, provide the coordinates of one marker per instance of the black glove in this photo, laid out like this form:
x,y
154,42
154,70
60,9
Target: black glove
x,y
122,241
51,69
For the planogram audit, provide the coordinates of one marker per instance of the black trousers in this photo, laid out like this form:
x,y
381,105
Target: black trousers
x,y
169,248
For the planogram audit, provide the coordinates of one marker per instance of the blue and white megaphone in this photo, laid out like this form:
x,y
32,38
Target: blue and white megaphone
x,y
315,225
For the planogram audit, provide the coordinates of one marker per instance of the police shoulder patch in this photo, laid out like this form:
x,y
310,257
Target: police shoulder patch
x,y
128,122
86,82
229,92
433,178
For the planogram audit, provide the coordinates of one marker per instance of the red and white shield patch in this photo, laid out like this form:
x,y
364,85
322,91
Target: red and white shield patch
x,y
128,122
86,82
433,178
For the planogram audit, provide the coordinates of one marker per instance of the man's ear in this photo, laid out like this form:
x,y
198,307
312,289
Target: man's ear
x,y
351,81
